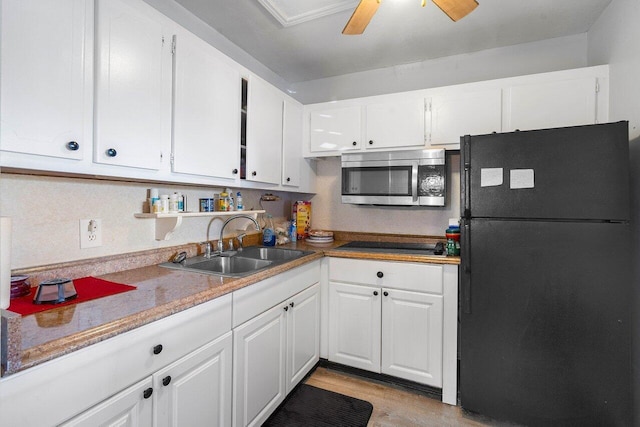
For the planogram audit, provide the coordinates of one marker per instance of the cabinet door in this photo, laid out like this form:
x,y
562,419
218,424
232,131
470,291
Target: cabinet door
x,y
46,82
196,390
412,336
206,110
396,124
303,334
130,408
259,367
354,325
336,129
292,144
465,113
133,84
264,133
551,104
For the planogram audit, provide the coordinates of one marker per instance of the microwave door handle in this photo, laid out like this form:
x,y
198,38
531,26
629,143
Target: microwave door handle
x,y
414,182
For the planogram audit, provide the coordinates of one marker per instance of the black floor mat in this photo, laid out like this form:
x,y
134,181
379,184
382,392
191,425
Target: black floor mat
x,y
314,407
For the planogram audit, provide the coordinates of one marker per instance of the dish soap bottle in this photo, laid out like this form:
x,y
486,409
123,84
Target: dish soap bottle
x,y
269,234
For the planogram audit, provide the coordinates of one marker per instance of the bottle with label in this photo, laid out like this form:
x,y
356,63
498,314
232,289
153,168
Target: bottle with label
x,y
293,231
181,204
230,204
164,203
239,204
223,203
269,234
173,203
153,198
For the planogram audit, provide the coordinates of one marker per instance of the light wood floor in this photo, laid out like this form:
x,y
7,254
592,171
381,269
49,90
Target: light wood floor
x,y
393,406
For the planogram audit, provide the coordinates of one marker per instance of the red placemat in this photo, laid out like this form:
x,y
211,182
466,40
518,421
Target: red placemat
x,y
88,288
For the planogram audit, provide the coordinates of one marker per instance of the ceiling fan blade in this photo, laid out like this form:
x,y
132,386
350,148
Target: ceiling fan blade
x,y
361,17
456,9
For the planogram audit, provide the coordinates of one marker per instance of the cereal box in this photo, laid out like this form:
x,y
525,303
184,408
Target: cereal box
x,y
302,216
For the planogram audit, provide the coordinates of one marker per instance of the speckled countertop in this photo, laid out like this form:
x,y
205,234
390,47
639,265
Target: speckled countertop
x,y
160,292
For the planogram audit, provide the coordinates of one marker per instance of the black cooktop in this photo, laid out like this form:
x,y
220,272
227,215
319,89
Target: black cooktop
x,y
394,247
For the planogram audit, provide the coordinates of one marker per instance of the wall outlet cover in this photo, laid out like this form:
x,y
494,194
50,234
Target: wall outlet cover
x,y
90,233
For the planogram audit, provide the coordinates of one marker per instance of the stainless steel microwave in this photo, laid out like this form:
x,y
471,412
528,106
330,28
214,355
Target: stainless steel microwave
x,y
397,178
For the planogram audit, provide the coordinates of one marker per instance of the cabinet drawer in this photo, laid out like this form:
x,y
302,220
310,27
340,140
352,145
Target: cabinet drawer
x,y
252,300
399,275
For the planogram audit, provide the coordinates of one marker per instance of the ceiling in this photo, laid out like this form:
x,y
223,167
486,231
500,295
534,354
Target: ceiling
x,y
401,32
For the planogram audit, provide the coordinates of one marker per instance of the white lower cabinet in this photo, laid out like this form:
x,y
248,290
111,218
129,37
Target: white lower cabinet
x,y
412,336
354,325
193,391
128,408
272,353
120,381
196,390
387,317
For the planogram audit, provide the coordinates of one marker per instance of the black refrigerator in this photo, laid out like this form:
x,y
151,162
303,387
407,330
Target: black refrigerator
x,y
545,284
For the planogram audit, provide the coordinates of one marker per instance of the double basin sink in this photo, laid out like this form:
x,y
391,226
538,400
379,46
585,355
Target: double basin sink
x,y
238,264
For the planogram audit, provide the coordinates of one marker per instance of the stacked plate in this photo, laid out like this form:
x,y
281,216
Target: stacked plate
x,y
320,236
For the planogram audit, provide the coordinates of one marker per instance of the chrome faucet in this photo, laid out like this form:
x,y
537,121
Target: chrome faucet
x,y
220,241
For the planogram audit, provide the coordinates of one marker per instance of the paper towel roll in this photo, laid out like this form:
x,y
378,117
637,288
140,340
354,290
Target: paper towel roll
x,y
5,262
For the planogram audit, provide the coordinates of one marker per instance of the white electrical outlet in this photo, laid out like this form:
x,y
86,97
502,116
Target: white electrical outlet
x,y
90,233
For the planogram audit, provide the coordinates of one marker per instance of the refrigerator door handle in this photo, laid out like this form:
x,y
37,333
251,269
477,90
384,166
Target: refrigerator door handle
x,y
466,181
465,279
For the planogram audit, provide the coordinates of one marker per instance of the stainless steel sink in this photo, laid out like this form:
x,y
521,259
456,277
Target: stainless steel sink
x,y
270,253
238,264
230,265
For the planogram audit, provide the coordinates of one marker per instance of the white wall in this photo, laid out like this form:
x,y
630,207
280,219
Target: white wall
x,y
528,58
615,39
328,212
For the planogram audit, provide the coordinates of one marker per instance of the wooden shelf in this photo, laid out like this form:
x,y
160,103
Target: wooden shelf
x,y
167,223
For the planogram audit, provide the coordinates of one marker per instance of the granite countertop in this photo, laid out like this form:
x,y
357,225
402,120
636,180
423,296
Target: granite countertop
x,y
37,338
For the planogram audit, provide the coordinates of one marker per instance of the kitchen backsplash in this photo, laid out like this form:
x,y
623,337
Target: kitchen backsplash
x,y
46,213
328,212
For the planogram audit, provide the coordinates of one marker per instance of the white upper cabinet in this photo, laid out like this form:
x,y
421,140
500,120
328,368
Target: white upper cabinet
x,y
395,123
401,120
206,110
456,113
133,84
264,132
567,102
336,129
292,144
46,85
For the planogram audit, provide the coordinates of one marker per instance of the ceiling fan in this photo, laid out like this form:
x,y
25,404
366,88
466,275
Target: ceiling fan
x,y
455,9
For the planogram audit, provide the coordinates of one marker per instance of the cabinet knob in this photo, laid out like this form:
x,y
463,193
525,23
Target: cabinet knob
x,y
147,393
286,308
288,179
354,143
157,349
375,293
370,142
254,173
291,304
235,171
73,146
166,380
380,274
111,152
385,293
